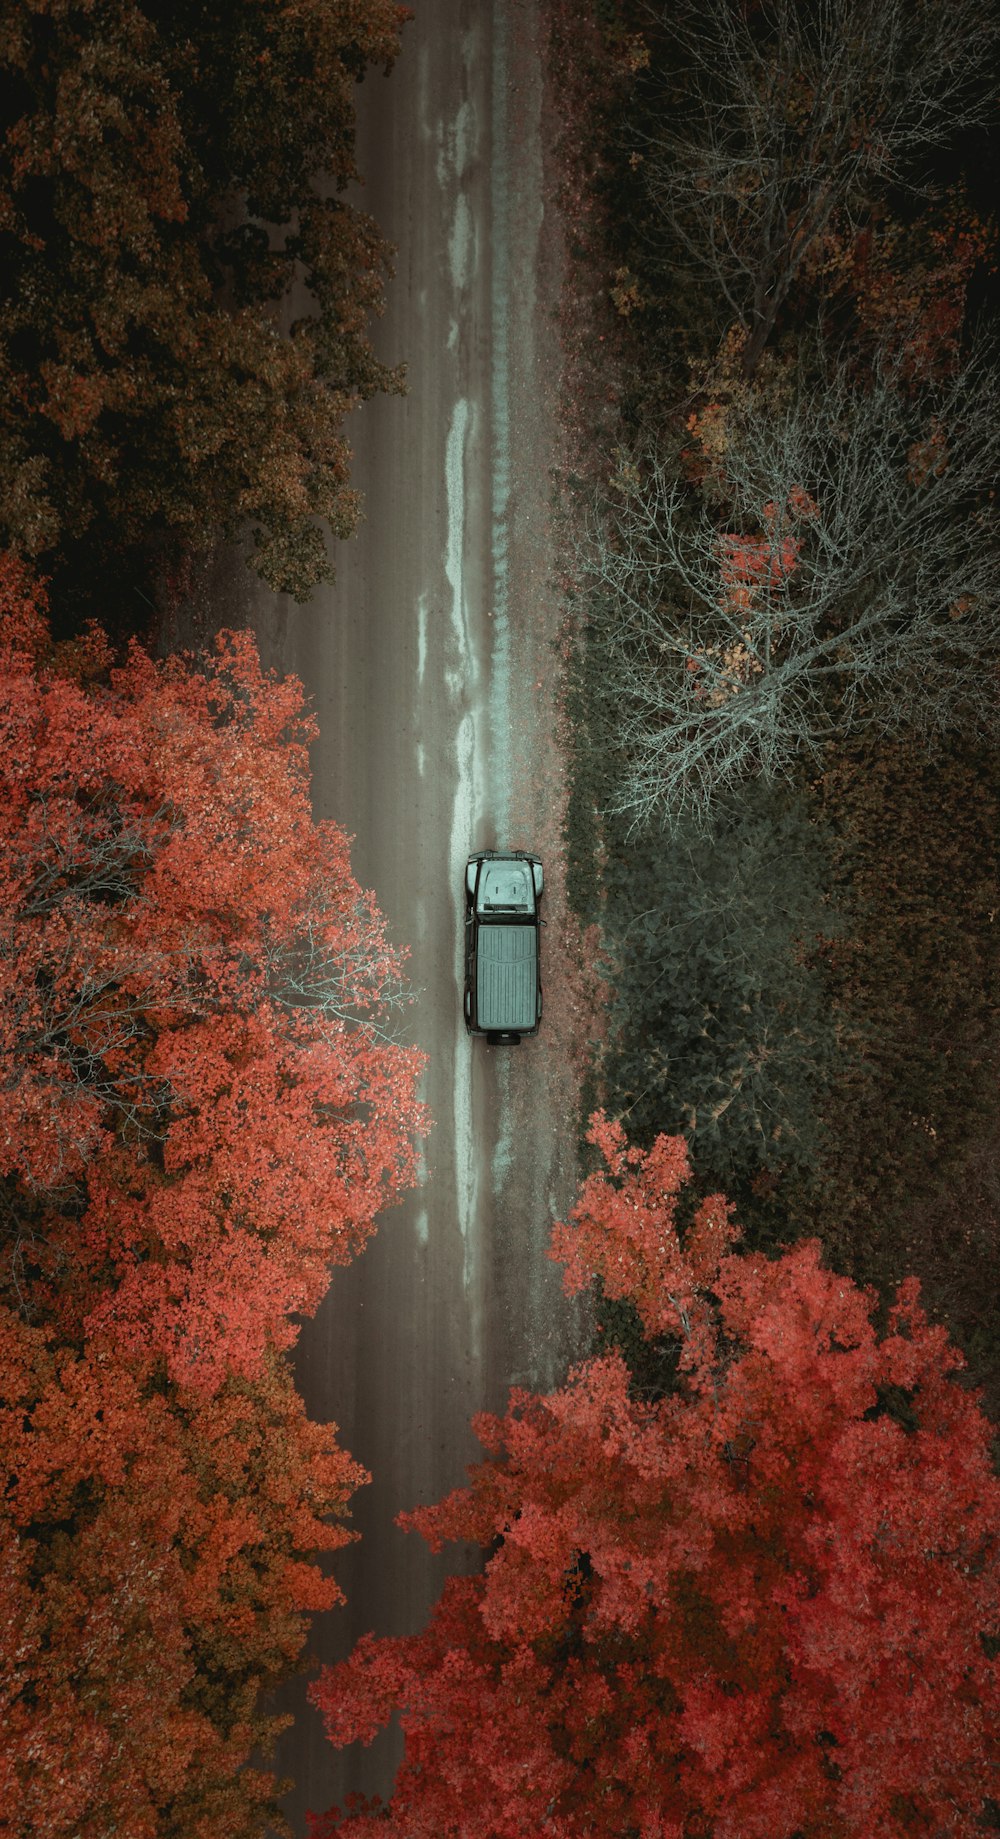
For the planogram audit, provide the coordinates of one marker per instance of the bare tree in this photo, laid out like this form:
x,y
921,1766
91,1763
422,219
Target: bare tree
x,y
794,112
848,580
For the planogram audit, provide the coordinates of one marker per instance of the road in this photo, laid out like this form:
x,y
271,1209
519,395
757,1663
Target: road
x,y
430,667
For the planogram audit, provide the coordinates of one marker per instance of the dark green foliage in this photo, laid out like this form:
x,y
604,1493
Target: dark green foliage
x,y
917,973
721,1028
917,850
652,1362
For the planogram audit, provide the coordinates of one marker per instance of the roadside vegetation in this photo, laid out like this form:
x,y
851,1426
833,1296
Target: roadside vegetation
x,y
783,585
168,172
203,1106
203,1111
710,1604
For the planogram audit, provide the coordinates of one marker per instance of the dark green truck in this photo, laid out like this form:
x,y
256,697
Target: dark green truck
x,y
503,985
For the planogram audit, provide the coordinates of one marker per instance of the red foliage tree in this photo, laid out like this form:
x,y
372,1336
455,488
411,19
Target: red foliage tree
x,y
766,1604
201,1109
751,564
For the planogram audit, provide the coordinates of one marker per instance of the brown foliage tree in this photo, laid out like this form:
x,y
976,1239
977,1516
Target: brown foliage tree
x,y
166,171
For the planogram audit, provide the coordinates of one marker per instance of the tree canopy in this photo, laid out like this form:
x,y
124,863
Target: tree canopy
x,y
166,173
203,1109
786,125
832,572
158,1555
765,1604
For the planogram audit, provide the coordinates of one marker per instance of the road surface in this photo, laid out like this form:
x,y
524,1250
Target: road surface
x,y
429,663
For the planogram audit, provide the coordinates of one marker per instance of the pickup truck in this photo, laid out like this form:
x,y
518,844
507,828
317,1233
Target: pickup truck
x,y
503,985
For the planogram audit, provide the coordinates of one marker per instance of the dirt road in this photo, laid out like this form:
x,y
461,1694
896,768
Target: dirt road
x,y
429,663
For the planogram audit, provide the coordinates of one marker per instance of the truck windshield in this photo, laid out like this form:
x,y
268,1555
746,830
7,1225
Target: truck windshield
x,y
506,887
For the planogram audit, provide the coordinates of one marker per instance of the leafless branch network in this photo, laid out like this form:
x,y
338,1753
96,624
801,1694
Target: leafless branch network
x,y
795,115
336,967
849,580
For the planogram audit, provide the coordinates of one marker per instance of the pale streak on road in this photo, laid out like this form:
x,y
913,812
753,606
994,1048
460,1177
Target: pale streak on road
x,y
423,662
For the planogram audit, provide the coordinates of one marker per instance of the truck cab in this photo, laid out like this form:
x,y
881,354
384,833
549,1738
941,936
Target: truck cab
x,y
503,985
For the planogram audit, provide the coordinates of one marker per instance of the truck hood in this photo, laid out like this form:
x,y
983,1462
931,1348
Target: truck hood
x,y
506,887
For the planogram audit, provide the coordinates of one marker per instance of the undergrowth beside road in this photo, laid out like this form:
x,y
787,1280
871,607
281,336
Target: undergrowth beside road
x,y
806,985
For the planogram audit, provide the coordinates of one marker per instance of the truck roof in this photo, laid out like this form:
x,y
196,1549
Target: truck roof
x,y
507,978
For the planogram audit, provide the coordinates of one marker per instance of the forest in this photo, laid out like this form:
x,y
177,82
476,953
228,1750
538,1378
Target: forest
x,y
784,690
205,1106
739,1572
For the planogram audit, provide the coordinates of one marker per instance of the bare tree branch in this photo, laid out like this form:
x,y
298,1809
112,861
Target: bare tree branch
x,y
334,968
795,113
850,580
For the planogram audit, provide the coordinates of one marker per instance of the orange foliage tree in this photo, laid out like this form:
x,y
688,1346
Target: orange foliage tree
x,y
202,1109
766,1604
157,1552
